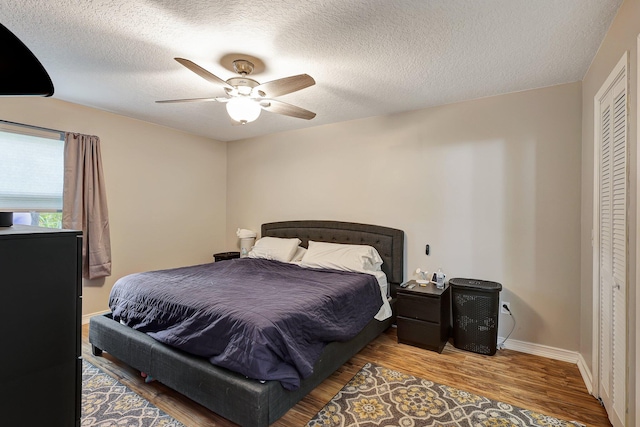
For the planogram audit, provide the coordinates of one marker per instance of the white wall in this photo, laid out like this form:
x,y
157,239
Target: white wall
x,y
493,185
166,189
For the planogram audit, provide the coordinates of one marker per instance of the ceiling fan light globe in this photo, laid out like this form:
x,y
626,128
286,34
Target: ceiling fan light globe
x,y
243,110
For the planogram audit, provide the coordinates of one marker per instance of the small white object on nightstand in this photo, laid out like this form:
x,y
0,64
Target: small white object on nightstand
x,y
423,276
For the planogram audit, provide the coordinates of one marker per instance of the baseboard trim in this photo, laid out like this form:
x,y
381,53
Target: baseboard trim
x,y
86,317
541,350
587,377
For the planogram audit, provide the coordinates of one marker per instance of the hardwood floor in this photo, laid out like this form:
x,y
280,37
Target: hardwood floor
x,y
544,385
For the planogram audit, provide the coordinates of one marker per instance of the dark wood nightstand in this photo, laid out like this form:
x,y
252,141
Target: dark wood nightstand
x,y
423,316
223,256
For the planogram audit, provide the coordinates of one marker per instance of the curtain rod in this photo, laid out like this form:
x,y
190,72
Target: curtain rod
x,y
32,126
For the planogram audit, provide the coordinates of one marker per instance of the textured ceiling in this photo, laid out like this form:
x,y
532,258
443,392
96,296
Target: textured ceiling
x,y
368,57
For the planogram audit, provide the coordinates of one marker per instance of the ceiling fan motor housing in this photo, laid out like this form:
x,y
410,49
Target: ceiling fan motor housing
x,y
242,82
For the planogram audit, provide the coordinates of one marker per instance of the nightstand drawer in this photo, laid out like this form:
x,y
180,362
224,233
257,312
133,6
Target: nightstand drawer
x,y
418,307
420,334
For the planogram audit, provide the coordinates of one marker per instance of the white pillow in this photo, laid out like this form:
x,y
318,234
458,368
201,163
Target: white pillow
x,y
275,248
358,258
297,256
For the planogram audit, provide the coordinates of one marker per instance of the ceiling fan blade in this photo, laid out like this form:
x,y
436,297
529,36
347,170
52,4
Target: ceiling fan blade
x,y
204,73
284,86
280,107
218,99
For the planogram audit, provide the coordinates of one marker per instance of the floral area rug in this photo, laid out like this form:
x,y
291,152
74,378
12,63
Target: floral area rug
x,y
381,397
108,403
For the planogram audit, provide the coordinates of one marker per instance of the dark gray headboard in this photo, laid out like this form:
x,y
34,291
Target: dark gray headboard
x,y
389,242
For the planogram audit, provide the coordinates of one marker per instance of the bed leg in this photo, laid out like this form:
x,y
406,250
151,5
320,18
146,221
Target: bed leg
x,y
95,350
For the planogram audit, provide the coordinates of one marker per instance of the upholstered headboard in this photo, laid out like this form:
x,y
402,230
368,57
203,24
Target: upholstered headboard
x,y
389,242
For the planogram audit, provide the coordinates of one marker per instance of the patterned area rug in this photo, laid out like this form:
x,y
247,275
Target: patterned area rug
x,y
381,397
106,402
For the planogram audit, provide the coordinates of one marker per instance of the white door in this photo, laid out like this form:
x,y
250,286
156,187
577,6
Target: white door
x,y
611,198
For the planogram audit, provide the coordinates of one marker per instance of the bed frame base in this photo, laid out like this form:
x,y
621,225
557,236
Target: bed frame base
x,y
244,401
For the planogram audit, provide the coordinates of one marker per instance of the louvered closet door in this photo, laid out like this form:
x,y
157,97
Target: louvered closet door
x,y
613,249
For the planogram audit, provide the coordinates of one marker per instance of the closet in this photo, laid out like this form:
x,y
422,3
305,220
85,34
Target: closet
x,y
610,252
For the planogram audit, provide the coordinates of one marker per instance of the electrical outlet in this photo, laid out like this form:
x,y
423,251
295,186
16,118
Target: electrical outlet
x,y
503,310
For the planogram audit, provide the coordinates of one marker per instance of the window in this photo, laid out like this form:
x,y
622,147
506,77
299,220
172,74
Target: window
x,y
31,174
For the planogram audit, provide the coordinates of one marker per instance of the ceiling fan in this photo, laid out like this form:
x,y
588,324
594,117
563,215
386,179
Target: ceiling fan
x,y
246,97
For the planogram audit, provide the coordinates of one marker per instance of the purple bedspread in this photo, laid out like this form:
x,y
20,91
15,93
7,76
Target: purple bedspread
x,y
265,319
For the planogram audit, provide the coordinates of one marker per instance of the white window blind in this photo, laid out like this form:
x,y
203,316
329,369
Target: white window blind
x,y
31,168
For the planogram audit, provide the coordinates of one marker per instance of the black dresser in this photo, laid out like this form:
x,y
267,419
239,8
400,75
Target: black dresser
x,y
40,316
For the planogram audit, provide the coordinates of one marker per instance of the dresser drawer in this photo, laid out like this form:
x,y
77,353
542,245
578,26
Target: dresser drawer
x,y
421,334
419,307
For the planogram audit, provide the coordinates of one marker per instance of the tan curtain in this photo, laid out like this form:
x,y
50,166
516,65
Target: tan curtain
x,y
84,202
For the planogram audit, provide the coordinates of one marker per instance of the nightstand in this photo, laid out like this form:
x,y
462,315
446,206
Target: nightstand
x,y
223,256
423,316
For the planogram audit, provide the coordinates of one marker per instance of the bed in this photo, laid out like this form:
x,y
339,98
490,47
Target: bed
x,y
243,400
